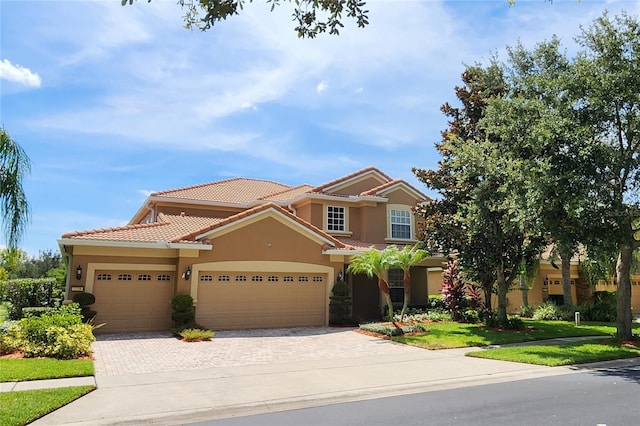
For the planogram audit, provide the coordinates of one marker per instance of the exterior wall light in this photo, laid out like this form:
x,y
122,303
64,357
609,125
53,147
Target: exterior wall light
x,y
79,272
187,273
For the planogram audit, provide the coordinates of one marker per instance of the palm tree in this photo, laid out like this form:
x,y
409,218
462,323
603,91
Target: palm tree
x,y
404,259
374,262
14,165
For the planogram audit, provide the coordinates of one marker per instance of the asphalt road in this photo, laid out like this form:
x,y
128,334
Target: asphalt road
x,y
608,397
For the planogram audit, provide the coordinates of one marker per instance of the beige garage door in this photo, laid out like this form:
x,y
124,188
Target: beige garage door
x,y
233,300
133,300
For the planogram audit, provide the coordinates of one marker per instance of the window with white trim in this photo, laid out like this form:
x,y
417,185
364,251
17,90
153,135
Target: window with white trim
x,y
303,279
164,277
287,279
335,218
272,278
124,277
256,278
206,277
224,278
317,279
103,277
144,277
400,224
241,277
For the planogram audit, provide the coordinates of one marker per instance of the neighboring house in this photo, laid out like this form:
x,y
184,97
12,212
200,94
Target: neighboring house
x,y
252,253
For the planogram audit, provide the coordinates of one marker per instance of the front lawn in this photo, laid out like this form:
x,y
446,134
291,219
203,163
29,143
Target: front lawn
x,y
21,408
564,354
22,369
447,335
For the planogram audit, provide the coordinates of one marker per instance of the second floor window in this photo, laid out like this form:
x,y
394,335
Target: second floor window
x,y
401,224
335,218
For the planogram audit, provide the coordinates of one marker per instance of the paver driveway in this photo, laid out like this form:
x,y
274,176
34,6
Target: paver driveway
x,y
137,353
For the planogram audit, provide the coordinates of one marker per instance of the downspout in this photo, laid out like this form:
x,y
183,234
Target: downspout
x,y
292,210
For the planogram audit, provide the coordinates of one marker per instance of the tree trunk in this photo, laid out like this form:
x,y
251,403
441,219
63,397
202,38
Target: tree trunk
x,y
503,289
407,295
565,256
623,277
486,287
384,288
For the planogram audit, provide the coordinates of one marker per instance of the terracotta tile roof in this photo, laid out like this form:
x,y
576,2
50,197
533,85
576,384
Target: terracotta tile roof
x,y
322,187
288,194
168,228
378,189
258,209
351,244
236,190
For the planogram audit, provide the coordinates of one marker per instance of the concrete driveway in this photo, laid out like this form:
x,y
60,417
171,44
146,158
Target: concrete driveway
x,y
140,353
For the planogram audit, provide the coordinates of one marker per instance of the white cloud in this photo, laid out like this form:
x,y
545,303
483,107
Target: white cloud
x,y
146,192
322,86
19,74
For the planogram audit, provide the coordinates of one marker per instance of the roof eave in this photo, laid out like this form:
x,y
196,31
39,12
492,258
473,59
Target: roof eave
x,y
132,244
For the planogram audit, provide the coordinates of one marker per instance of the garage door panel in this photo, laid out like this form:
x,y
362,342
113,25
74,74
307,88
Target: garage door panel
x,y
261,304
132,305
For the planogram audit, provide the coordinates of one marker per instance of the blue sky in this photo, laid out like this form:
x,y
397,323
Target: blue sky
x,y
112,102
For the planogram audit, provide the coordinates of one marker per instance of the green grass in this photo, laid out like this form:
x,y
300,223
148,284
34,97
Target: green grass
x,y
565,354
22,369
21,408
448,335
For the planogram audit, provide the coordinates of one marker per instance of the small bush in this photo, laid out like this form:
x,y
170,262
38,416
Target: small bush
x,y
470,316
526,311
435,302
10,337
84,299
196,335
191,325
183,311
603,307
549,311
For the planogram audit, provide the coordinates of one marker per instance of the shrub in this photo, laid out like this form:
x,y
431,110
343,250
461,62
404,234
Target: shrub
x,y
526,311
10,338
549,311
602,307
30,292
513,322
183,311
85,300
471,316
453,290
190,325
57,333
196,335
340,304
391,330
435,302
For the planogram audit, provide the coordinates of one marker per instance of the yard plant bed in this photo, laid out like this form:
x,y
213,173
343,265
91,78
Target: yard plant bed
x,y
564,354
447,335
21,408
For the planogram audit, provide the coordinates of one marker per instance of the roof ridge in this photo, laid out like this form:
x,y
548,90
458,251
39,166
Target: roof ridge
x,y
291,188
319,188
378,188
216,182
114,228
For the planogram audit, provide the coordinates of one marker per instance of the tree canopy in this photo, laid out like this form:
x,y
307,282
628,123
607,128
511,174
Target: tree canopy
x,y
14,166
311,17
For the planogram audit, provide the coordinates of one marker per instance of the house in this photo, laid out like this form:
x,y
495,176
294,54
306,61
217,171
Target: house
x,y
252,253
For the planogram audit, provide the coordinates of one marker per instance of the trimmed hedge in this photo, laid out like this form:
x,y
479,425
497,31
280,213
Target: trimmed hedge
x,y
30,292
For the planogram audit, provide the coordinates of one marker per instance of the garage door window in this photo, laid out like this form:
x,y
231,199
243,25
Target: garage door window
x,y
124,277
288,279
241,277
272,278
144,277
303,279
224,278
256,278
104,277
317,279
164,277
206,277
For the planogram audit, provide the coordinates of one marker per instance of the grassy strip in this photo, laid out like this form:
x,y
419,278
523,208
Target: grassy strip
x,y
447,335
21,408
565,354
22,369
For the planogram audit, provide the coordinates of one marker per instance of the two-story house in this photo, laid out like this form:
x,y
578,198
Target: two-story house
x,y
252,253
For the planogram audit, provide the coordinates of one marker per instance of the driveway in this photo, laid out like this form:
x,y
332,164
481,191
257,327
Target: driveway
x,y
140,353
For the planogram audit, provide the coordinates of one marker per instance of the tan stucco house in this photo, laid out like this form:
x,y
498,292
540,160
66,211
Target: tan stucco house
x,y
252,253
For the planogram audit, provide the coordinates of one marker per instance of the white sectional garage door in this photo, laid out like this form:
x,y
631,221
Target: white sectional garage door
x,y
235,300
128,301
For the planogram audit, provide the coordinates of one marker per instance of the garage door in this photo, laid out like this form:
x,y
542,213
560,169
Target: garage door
x,y
232,300
133,300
